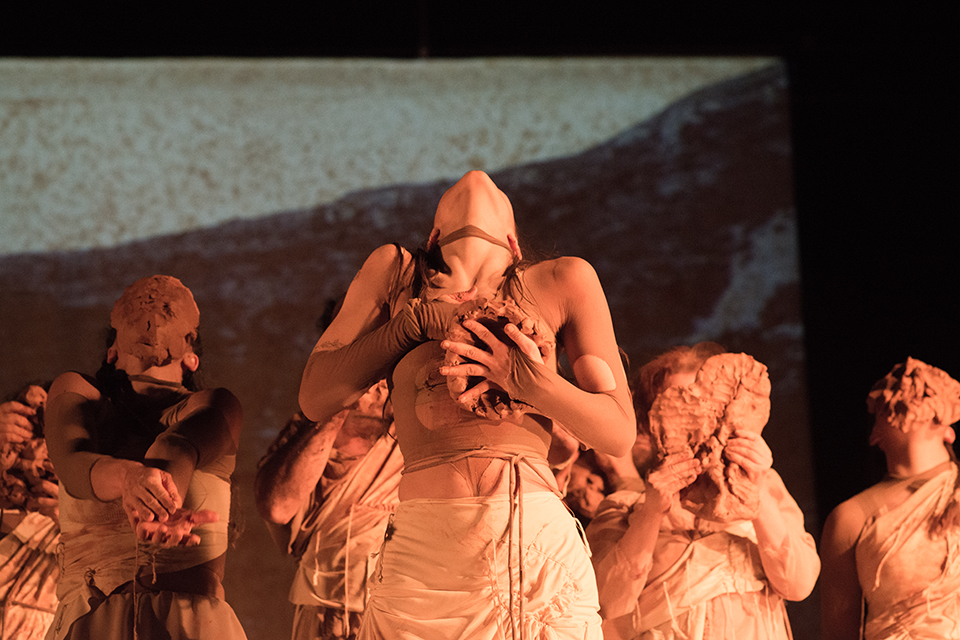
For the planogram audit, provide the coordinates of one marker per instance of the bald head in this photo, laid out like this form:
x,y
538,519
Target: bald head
x,y
475,200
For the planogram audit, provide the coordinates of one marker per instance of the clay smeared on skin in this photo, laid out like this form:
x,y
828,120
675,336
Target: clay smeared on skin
x,y
731,391
494,315
24,466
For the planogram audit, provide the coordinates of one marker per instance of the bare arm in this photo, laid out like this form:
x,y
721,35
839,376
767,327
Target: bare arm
x,y
292,467
324,391
840,592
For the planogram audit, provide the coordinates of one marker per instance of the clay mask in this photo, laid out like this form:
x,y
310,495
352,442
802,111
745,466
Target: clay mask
x,y
155,319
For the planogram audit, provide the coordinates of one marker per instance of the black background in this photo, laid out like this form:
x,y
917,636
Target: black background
x,y
874,138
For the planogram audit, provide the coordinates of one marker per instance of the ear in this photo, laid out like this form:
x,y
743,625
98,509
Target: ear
x,y
434,236
514,246
112,355
949,435
191,361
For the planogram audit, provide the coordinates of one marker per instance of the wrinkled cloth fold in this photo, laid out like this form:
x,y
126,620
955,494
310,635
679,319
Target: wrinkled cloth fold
x,y
334,535
445,571
910,581
28,578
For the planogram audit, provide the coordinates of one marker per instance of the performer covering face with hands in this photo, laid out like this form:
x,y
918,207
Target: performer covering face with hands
x,y
714,544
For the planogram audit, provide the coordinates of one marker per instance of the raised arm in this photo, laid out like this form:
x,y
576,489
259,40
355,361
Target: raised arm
x,y
365,310
363,342
787,552
840,593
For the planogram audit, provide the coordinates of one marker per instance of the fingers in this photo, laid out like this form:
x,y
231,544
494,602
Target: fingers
x,y
470,397
677,471
751,447
204,516
52,489
15,425
178,530
164,535
524,342
150,494
749,450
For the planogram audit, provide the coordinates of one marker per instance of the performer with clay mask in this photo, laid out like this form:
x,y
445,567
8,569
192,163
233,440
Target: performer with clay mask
x,y
480,546
144,461
892,552
715,543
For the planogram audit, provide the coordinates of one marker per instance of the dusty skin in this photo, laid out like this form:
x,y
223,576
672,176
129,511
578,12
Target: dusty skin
x,y
893,550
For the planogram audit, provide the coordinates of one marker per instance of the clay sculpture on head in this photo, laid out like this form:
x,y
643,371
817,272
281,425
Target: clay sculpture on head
x,y
915,394
731,392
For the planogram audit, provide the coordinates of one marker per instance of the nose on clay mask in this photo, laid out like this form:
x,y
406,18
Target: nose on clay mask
x,y
155,318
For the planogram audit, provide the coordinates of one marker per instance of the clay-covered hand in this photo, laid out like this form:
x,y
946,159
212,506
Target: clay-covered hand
x,y
45,499
677,471
15,422
749,450
149,494
495,365
177,530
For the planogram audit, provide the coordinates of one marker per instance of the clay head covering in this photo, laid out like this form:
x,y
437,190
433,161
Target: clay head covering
x,y
731,392
156,320
916,394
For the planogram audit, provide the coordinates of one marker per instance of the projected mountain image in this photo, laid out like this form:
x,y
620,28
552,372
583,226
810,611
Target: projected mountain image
x,y
688,218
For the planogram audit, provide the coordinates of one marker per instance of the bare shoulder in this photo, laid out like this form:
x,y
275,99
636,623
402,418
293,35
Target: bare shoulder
x,y
569,274
73,382
845,522
385,256
565,268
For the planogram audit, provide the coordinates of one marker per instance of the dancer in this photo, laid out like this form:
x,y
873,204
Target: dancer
x,y
715,543
480,545
326,492
29,529
892,552
144,461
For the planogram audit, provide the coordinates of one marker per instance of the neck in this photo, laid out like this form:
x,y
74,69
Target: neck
x,y
474,262
915,460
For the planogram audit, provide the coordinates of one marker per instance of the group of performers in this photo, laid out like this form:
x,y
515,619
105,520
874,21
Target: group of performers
x,y
421,484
